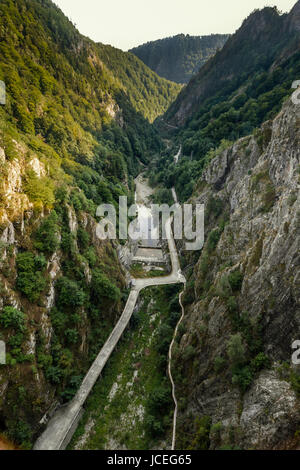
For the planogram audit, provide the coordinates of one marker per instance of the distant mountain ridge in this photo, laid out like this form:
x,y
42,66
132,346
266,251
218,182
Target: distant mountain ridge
x,y
180,57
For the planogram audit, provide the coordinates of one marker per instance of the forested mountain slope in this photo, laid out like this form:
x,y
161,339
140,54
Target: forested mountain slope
x,y
265,40
242,86
73,131
180,57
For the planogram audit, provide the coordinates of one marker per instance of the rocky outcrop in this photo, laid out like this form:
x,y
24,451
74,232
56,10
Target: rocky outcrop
x,y
293,20
251,193
269,412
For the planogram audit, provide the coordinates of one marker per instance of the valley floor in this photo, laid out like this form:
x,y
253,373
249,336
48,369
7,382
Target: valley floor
x,y
119,413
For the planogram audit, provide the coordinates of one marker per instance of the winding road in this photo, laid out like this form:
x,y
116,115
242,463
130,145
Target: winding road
x,y
63,424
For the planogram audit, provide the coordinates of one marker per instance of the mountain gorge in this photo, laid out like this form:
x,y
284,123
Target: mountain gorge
x,y
74,132
265,39
242,86
81,121
180,57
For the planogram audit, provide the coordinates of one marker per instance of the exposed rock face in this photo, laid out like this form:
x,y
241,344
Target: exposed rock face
x,y
72,220
294,18
8,234
37,167
2,155
256,182
268,412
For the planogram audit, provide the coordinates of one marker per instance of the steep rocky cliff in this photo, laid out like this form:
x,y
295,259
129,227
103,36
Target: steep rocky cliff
x,y
59,297
236,382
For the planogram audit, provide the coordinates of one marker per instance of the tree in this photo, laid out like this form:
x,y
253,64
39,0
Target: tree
x,y
235,280
47,235
31,279
11,317
69,293
103,287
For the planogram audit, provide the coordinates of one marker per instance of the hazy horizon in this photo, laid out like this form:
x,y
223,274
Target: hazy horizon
x,y
126,24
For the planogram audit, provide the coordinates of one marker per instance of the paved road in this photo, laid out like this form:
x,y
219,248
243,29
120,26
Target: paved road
x,y
63,424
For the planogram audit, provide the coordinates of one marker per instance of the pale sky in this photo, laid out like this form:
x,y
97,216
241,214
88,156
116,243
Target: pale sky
x,y
128,23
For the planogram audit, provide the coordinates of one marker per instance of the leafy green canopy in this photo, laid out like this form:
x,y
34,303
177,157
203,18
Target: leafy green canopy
x,y
79,106
237,109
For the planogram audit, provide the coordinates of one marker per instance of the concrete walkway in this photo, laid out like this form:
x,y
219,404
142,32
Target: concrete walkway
x,y
63,424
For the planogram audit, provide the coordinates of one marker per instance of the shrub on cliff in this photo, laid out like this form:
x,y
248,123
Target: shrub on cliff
x,y
103,287
235,280
236,349
31,279
39,190
46,235
11,317
69,293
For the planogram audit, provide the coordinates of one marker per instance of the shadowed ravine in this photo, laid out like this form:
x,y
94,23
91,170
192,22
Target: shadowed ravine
x,y
63,424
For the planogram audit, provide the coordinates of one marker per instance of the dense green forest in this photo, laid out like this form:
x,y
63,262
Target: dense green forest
x,y
73,134
148,93
71,100
180,57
